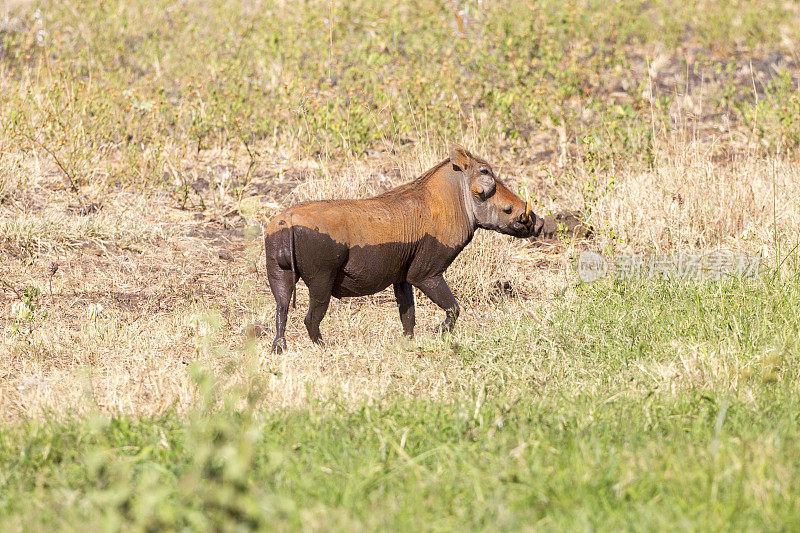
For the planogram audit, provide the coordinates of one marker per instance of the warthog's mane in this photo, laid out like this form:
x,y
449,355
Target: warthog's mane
x,y
416,182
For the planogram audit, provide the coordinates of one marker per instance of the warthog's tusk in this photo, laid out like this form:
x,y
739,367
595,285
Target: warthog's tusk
x,y
528,209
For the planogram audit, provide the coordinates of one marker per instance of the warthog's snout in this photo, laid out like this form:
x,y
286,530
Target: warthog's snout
x,y
529,224
525,223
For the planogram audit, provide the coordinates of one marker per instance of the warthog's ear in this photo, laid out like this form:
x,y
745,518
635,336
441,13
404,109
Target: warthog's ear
x,y
459,158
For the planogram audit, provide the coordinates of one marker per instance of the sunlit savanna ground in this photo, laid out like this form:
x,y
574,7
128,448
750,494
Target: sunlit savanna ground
x,y
144,147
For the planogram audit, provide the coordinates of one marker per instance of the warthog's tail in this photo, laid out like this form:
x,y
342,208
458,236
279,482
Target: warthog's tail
x,y
292,262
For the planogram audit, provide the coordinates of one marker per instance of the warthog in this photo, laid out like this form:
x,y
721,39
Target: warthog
x,y
405,237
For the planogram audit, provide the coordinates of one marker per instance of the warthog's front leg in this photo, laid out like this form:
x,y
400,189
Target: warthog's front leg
x,y
437,290
404,293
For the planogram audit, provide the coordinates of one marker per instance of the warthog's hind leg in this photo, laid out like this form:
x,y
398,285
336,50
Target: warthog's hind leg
x,y
404,293
437,290
281,282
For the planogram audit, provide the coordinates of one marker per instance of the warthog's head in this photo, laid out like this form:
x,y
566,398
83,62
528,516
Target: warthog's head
x,y
492,204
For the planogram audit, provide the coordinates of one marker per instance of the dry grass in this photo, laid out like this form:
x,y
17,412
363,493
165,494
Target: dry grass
x,y
158,273
140,189
693,202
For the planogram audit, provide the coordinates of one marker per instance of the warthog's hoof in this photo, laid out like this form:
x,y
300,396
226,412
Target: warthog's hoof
x,y
279,345
444,327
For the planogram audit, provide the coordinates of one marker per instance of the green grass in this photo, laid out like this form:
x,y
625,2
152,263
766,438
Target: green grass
x,y
116,90
609,444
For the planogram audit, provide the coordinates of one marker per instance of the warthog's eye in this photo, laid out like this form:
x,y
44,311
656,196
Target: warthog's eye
x,y
485,171
507,210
